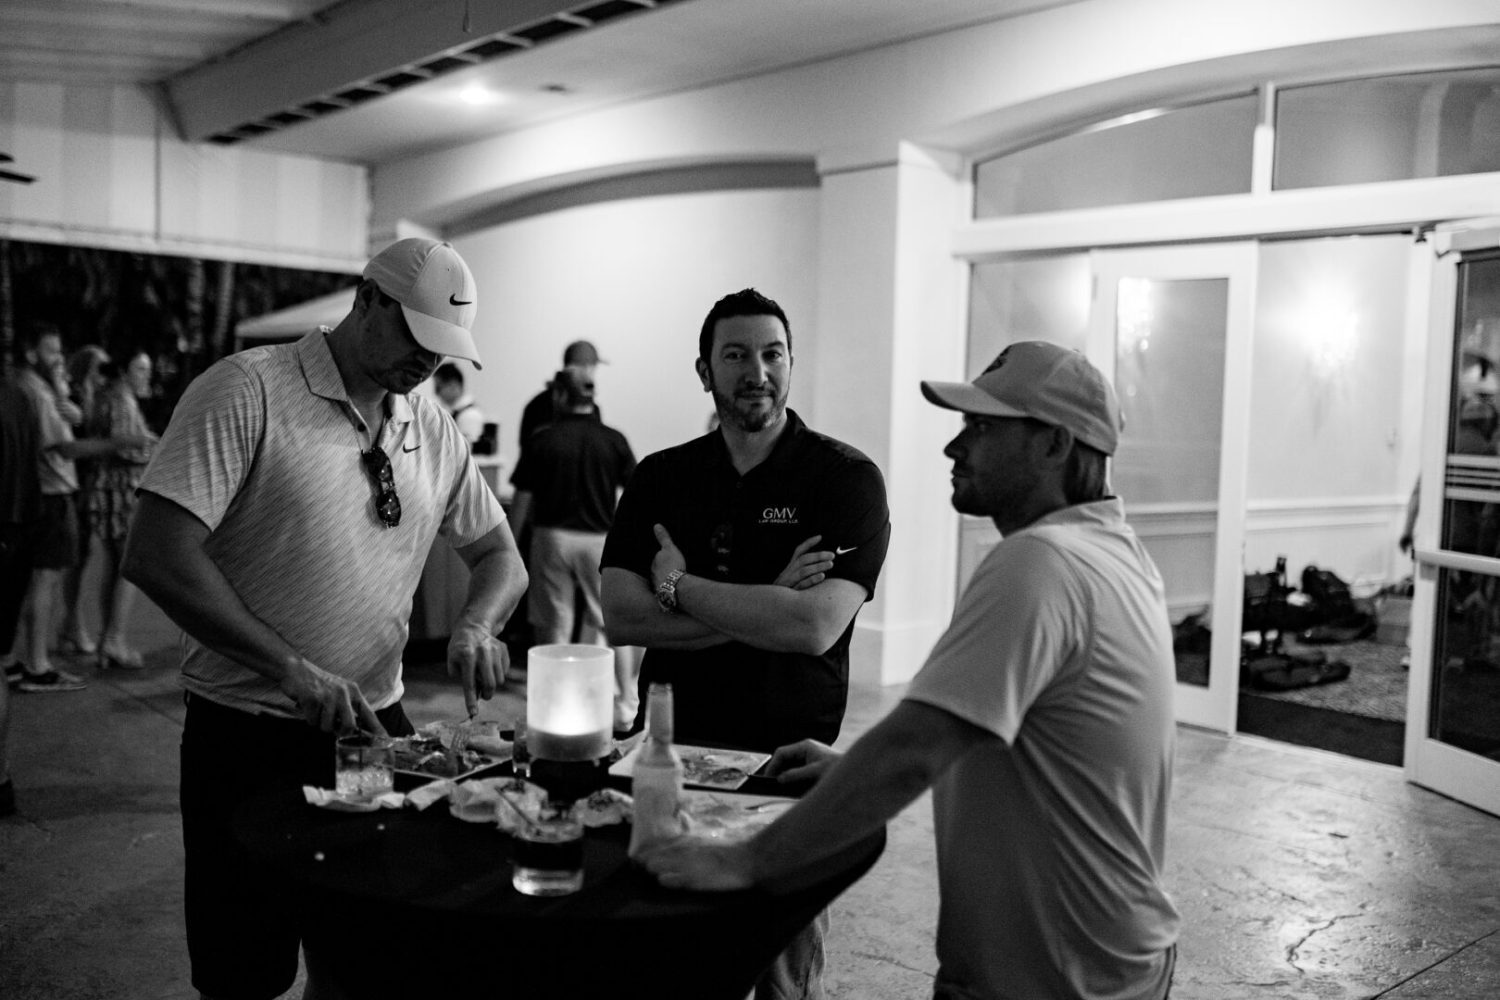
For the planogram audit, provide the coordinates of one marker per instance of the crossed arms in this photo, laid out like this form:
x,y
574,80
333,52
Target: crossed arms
x,y
802,611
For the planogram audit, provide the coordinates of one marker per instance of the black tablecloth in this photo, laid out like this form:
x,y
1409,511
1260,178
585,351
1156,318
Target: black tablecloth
x,y
406,903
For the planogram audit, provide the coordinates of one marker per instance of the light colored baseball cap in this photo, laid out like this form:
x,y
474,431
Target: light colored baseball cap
x,y
436,292
1044,381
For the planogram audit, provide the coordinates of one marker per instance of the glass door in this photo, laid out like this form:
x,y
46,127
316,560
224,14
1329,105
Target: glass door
x,y
1453,708
1172,326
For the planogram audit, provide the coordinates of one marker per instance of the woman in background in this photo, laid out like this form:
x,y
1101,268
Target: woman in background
x,y
85,382
109,501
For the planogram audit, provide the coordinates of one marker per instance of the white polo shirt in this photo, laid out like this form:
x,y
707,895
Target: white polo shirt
x,y
264,448
1050,841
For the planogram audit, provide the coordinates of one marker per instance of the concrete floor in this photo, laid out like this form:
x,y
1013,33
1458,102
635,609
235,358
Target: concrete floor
x,y
1299,874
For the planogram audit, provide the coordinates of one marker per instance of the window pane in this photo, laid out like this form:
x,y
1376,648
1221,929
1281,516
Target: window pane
x,y
1046,298
1388,129
1169,335
1186,153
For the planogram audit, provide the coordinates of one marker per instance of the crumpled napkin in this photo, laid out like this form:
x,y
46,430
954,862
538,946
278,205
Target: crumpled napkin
x,y
479,801
327,798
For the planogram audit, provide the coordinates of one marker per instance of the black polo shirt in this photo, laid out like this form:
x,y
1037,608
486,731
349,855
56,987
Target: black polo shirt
x,y
743,529
573,468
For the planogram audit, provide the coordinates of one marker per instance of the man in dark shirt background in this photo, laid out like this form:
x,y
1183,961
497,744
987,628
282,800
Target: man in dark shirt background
x,y
20,509
761,540
567,483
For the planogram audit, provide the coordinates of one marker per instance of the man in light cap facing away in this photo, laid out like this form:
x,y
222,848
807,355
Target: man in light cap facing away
x,y
283,523
1042,719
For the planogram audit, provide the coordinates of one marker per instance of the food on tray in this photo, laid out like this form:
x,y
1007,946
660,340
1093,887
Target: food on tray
x,y
427,756
707,766
473,734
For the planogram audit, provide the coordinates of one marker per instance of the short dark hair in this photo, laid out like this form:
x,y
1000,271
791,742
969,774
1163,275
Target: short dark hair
x,y
448,372
745,302
34,331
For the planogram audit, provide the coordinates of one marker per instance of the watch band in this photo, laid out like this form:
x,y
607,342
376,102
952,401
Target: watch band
x,y
666,592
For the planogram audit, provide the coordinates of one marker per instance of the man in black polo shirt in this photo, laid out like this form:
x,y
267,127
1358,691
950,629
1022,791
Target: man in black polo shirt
x,y
567,481
759,541
751,662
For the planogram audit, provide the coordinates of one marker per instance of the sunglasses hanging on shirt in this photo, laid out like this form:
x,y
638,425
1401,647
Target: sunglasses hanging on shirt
x,y
387,504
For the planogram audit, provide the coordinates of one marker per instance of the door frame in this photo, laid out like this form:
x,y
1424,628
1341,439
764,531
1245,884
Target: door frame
x,y
1429,762
1216,705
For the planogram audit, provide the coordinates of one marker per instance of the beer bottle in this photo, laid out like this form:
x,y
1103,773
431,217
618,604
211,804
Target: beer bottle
x,y
656,779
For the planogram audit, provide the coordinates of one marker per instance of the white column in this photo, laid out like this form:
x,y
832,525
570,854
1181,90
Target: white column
x,y
890,313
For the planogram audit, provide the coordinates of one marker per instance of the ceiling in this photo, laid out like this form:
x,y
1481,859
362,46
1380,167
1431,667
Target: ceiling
x,y
370,80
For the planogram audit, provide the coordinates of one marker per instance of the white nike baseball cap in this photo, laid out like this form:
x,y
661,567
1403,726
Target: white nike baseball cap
x,y
436,292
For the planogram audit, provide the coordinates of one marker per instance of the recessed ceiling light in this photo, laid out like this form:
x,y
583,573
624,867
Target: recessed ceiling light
x,y
476,95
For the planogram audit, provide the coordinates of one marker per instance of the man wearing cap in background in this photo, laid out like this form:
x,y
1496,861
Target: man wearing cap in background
x,y
543,408
568,482
283,524
582,358
1042,719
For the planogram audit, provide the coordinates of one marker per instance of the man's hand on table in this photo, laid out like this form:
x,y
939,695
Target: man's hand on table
x,y
806,760
479,660
687,863
331,703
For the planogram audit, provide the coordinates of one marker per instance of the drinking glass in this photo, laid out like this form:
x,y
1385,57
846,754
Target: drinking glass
x,y
364,766
548,852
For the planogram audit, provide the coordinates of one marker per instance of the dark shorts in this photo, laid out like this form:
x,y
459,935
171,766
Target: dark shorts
x,y
242,926
57,533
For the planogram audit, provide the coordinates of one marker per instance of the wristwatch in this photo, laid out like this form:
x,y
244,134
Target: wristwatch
x,y
666,592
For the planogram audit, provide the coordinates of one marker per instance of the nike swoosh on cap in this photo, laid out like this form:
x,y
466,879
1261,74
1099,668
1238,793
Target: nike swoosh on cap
x,y
839,552
454,300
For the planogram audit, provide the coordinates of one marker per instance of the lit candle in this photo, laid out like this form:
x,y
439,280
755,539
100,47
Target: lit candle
x,y
569,701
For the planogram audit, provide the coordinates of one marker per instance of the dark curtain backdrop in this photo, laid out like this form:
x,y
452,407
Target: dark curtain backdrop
x,y
180,310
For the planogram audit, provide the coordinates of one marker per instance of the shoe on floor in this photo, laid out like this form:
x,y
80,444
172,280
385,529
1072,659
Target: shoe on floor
x,y
51,680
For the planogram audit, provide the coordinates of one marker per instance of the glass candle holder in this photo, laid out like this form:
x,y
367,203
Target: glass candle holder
x,y
570,693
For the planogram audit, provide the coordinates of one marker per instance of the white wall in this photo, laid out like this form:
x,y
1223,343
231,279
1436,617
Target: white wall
x,y
110,175
636,277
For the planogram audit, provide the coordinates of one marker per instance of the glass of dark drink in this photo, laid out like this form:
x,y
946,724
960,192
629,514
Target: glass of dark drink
x,y
548,852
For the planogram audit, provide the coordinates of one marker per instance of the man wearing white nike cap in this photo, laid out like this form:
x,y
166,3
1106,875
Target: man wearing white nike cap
x,y
283,523
1042,719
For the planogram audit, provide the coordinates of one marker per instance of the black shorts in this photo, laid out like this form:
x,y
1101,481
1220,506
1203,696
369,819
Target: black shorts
x,y
57,533
242,926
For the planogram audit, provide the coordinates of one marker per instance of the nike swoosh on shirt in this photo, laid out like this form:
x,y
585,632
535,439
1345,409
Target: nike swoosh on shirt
x,y
411,449
839,552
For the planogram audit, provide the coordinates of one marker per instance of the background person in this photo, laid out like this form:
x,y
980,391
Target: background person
x,y
57,544
109,499
448,383
541,409
568,483
20,508
1042,719
762,539
283,523
85,380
